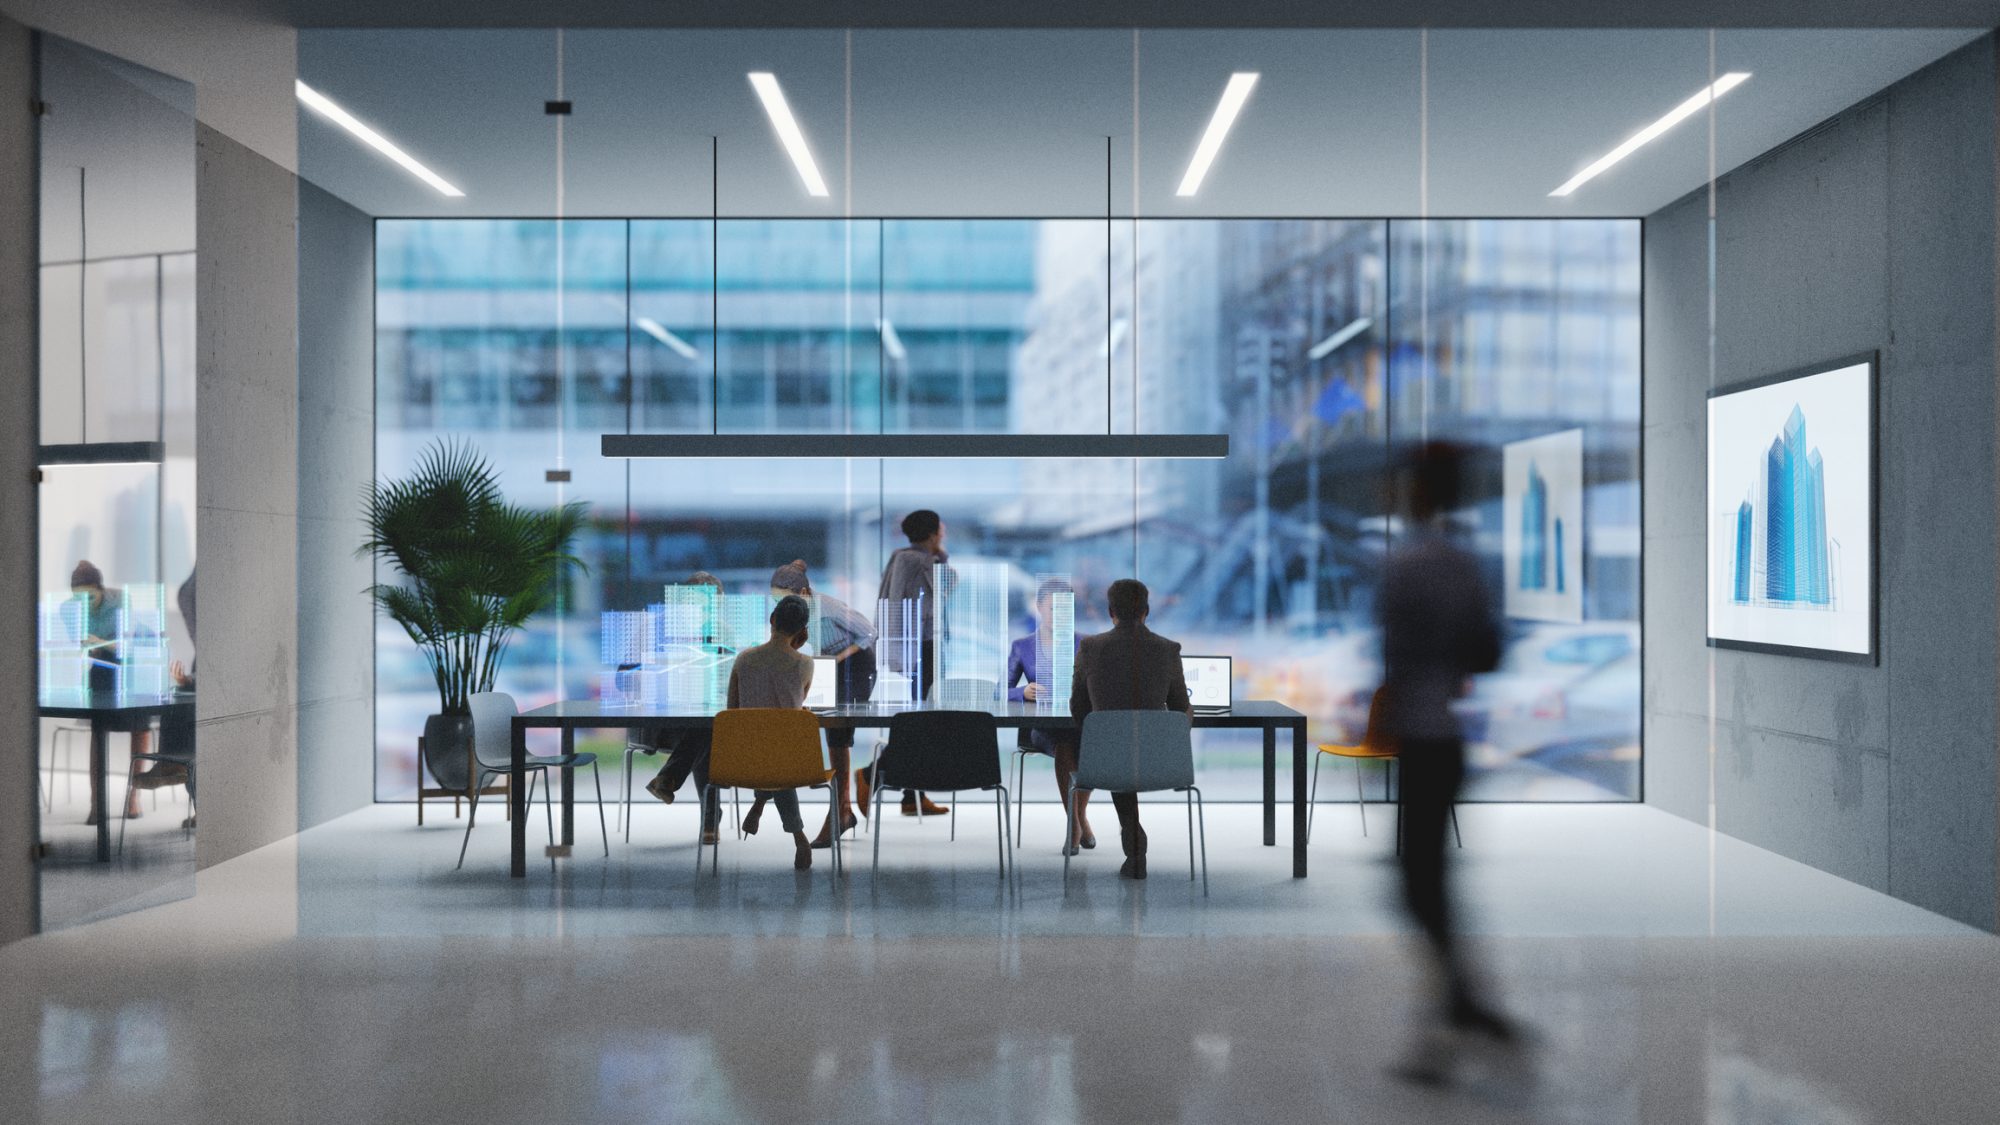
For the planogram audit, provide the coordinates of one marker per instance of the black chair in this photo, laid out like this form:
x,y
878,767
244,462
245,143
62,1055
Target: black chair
x,y
944,752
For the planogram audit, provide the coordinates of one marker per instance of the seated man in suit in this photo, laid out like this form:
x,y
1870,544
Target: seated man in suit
x,y
1128,668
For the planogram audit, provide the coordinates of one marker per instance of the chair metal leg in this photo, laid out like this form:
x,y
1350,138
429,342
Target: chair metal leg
x,y
1454,825
597,779
626,822
954,815
1190,810
736,810
478,783
131,773
1000,829
876,867
1201,818
1361,799
1312,798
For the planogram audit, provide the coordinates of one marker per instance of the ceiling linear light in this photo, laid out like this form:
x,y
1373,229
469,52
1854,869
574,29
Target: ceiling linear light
x,y
871,447
1332,343
326,107
1233,96
787,128
1653,132
660,332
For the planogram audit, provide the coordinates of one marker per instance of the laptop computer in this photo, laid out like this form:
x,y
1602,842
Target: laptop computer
x,y
821,696
1211,683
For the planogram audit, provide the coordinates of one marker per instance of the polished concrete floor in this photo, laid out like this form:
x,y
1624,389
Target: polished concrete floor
x,y
353,975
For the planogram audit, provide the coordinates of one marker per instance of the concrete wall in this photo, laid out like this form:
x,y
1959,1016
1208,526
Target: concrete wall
x,y
20,816
1875,232
248,432
336,461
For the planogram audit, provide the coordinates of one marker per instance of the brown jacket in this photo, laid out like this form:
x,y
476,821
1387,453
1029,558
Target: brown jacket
x,y
1128,668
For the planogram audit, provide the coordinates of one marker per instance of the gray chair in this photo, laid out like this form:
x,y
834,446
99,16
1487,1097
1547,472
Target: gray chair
x,y
636,742
945,752
492,745
1140,752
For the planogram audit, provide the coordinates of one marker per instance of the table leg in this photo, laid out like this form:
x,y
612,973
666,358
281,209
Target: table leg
x,y
569,788
100,754
517,803
1300,804
1270,787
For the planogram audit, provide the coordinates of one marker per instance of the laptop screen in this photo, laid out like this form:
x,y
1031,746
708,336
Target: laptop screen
x,y
821,696
1210,681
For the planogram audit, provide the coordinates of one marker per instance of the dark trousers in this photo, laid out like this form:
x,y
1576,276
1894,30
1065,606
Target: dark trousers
x,y
1432,771
854,682
1130,834
690,756
926,667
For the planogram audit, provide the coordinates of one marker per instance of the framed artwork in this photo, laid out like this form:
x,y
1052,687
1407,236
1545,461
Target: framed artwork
x,y
1541,537
1791,512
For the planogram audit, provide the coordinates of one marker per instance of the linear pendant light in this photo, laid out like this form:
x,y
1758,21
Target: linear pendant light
x,y
1654,131
787,128
326,107
907,446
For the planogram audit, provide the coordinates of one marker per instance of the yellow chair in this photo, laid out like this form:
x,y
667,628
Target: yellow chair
x,y
769,749
1373,747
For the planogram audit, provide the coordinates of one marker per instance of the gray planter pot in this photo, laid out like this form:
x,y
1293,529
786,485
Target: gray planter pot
x,y
448,748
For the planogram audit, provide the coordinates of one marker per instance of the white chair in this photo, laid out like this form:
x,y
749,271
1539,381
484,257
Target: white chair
x,y
492,745
60,744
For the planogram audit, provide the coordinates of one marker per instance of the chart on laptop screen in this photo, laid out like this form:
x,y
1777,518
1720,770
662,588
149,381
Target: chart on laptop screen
x,y
1209,681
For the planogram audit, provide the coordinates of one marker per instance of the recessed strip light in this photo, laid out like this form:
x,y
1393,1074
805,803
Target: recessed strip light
x,y
324,106
660,332
960,446
1233,96
1652,132
768,91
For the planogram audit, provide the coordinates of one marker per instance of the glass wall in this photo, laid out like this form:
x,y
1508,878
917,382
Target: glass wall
x,y
1319,346
116,542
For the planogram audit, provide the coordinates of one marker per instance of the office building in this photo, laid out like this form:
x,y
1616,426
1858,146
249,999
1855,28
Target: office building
x,y
500,368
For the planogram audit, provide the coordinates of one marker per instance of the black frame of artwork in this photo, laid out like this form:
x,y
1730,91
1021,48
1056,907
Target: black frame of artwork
x,y
1874,587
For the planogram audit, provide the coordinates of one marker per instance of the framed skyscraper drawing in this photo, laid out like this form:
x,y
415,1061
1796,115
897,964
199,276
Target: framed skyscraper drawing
x,y
1541,538
1791,512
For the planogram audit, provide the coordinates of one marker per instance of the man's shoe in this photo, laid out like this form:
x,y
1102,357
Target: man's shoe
x,y
709,836
658,788
1134,868
931,808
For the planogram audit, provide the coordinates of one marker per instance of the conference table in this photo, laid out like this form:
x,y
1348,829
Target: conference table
x,y
109,713
569,716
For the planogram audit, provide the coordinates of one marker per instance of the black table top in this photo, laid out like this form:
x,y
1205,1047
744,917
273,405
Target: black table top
x,y
591,713
105,705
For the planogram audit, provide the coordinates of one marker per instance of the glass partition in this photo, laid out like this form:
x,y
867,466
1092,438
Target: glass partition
x,y
116,550
1297,337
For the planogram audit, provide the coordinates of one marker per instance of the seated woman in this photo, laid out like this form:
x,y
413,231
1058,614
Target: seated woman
x,y
1024,686
777,674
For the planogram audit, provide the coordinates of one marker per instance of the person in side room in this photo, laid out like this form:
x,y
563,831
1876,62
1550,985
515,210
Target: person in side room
x,y
777,674
99,622
907,582
1024,685
1126,668
1438,629
840,632
687,751
177,728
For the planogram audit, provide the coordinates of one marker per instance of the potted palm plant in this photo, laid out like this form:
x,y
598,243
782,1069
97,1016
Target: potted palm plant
x,y
466,569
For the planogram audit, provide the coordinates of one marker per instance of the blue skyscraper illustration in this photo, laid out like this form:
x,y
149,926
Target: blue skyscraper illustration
x,y
1793,547
1535,532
